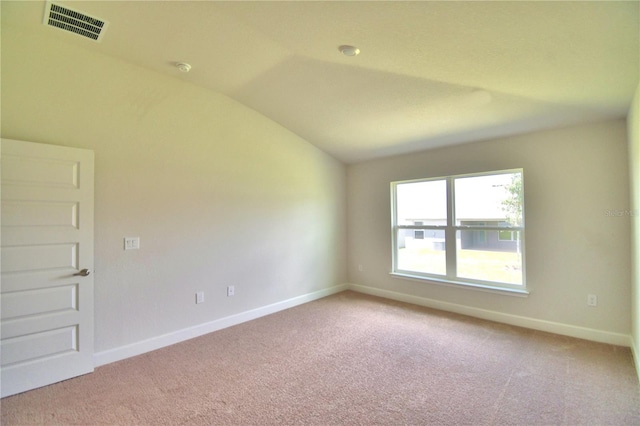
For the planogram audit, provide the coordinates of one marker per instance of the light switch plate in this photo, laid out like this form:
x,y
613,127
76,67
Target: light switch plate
x,y
131,243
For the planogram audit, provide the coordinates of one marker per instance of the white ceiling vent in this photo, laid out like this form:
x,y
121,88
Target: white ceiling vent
x,y
74,21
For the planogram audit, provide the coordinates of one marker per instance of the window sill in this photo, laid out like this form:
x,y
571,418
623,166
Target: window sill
x,y
460,284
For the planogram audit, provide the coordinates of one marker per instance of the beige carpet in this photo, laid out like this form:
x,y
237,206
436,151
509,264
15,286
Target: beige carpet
x,y
352,359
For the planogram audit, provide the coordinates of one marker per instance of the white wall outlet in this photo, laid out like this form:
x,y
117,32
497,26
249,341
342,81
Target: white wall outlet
x,y
592,300
231,290
360,268
131,243
200,297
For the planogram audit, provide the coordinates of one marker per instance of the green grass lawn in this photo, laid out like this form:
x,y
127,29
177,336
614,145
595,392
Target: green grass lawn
x,y
484,265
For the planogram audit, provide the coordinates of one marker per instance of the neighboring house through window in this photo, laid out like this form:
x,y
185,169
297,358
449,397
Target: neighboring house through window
x,y
463,229
418,234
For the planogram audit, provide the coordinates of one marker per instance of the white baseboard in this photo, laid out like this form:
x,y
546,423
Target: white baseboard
x,y
526,322
138,348
636,355
148,345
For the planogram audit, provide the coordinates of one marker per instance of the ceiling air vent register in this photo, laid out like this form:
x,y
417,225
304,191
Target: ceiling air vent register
x,y
74,21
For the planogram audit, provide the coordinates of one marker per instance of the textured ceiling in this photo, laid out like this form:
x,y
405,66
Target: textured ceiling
x,y
430,73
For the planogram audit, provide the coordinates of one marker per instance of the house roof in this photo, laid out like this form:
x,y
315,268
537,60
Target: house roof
x,y
429,74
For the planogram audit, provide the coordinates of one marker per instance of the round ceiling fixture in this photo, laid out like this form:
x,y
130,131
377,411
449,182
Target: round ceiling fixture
x,y
347,50
183,66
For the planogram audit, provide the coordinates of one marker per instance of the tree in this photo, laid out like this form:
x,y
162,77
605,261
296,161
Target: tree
x,y
512,204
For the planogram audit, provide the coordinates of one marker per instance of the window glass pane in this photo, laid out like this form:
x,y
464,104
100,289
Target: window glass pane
x,y
425,254
483,255
506,235
494,200
422,203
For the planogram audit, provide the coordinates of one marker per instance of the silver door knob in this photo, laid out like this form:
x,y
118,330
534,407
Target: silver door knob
x,y
82,273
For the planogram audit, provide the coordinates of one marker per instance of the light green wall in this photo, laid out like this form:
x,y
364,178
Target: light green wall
x,y
572,178
633,122
218,194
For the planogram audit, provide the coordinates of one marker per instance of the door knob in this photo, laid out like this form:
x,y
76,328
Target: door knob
x,y
82,273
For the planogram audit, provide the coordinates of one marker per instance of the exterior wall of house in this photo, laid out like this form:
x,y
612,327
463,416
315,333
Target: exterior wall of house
x,y
487,239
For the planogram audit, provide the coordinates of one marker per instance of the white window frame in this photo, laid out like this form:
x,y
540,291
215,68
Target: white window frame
x,y
450,230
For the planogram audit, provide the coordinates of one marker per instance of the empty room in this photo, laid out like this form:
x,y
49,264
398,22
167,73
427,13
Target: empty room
x,y
323,213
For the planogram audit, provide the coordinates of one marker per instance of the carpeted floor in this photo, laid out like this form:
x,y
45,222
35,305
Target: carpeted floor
x,y
352,359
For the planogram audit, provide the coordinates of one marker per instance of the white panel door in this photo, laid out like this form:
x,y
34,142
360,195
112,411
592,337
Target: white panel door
x,y
46,315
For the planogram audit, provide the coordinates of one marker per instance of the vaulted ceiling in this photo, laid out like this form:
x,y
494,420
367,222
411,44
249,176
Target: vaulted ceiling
x,y
429,73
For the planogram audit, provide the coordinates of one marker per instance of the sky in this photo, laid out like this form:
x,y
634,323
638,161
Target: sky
x,y
477,197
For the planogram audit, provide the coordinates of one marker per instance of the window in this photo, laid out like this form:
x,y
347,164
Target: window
x,y
418,234
506,235
465,229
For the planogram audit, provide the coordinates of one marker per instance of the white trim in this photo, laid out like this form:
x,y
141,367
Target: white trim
x,y
635,351
451,230
532,323
473,286
148,345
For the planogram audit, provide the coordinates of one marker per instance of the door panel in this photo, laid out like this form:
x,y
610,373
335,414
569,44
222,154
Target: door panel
x,y
39,301
46,317
25,213
39,345
40,257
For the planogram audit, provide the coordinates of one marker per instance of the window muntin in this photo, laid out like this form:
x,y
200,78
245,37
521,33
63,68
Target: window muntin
x,y
461,229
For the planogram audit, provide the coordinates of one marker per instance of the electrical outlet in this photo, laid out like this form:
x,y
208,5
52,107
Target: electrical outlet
x,y
592,300
231,290
360,268
131,243
200,297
